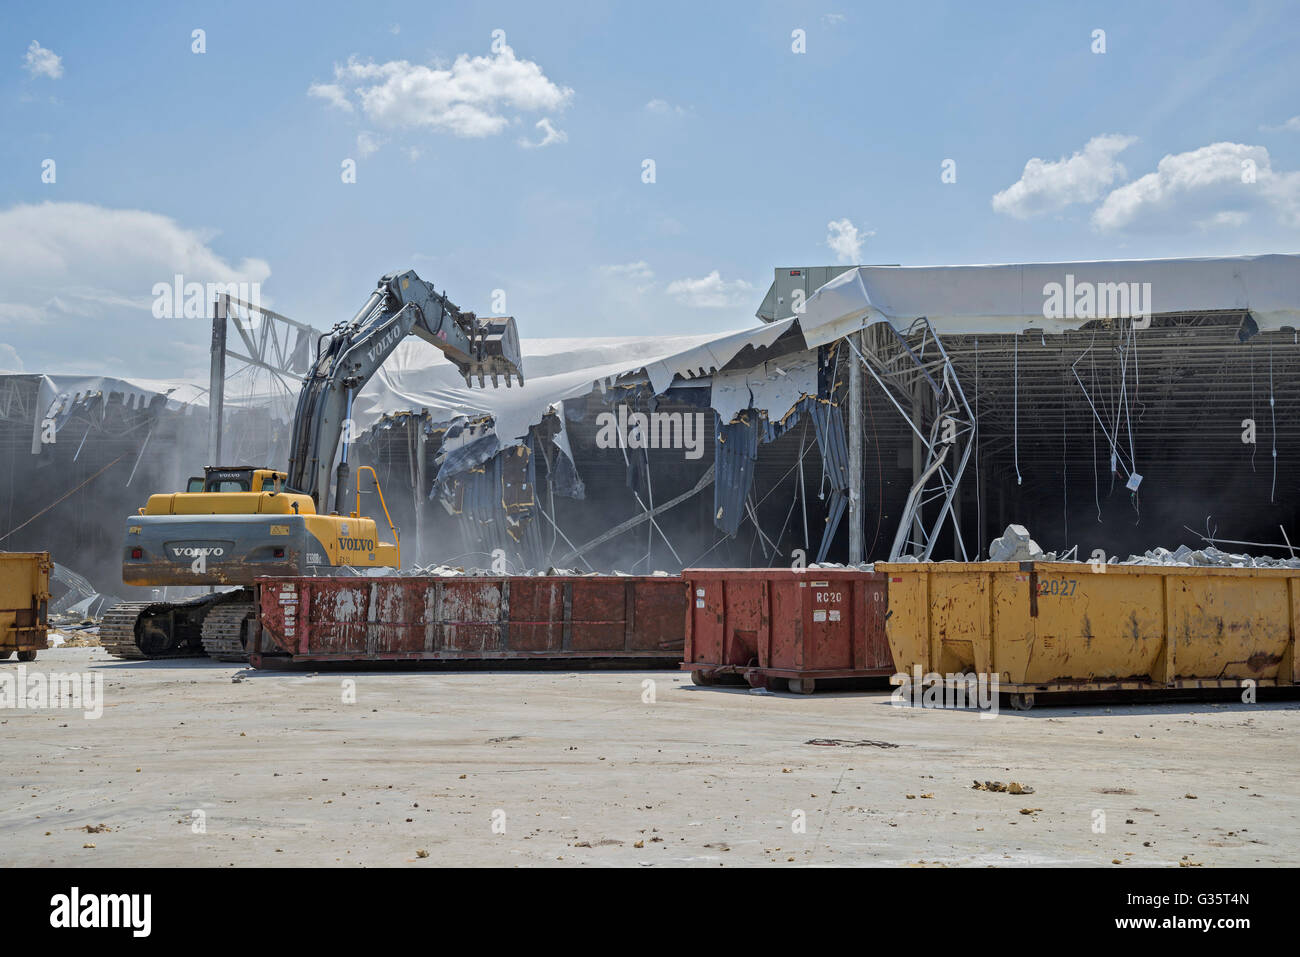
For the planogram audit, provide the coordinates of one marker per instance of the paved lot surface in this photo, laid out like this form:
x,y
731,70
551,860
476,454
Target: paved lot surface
x,y
188,767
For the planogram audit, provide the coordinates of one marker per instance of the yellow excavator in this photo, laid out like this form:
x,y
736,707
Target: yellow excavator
x,y
239,523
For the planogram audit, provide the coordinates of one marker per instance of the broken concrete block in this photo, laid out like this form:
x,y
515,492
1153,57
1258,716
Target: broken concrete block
x,y
1015,545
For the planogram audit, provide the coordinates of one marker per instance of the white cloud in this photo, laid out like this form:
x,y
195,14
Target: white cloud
x,y
711,292
1291,126
549,135
368,143
76,286
833,19
1209,187
624,280
638,275
42,62
1229,218
845,240
476,97
637,270
664,108
395,29
9,360
333,94
1047,187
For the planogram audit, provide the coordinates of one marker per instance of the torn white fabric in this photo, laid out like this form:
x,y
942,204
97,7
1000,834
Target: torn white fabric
x,y
416,376
774,386
956,299
712,353
56,394
1053,297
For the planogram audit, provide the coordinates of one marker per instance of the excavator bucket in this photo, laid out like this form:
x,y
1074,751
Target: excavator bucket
x,y
495,353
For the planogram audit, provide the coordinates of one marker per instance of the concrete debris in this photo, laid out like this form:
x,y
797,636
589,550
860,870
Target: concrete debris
x,y
1015,545
73,639
1209,557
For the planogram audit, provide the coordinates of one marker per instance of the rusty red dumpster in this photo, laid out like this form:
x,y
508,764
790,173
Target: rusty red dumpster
x,y
793,624
470,618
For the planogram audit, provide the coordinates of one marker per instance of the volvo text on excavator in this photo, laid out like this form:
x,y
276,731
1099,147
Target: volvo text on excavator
x,y
238,523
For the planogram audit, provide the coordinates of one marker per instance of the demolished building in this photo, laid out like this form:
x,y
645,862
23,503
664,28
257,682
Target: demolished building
x,y
873,411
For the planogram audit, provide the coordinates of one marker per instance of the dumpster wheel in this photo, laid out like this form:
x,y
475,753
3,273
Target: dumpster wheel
x,y
27,656
701,678
802,685
1021,702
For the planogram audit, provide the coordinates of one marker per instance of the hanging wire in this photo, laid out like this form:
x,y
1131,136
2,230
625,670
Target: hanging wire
x,y
975,437
1254,446
1128,406
1272,411
1015,344
1096,488
1065,472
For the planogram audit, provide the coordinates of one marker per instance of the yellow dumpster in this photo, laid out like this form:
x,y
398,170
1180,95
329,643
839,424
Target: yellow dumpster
x,y
1067,626
24,600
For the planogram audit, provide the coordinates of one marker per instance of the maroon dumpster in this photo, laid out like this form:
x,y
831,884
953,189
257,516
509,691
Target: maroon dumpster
x,y
794,624
470,618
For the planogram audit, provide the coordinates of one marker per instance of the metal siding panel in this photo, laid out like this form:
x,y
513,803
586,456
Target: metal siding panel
x,y
470,618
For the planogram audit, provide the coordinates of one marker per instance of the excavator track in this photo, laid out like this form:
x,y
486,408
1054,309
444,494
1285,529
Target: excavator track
x,y
223,631
122,636
153,630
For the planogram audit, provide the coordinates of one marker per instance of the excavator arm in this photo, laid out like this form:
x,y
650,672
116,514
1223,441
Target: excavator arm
x,y
403,304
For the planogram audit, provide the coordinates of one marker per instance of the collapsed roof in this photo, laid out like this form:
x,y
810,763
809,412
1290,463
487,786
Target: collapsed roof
x,y
1042,406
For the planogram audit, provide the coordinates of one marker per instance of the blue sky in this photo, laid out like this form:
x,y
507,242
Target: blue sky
x,y
223,165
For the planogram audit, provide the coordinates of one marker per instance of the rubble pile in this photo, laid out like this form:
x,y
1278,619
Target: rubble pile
x,y
1015,545
1209,557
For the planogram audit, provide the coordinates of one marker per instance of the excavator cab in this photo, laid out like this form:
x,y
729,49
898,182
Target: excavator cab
x,y
240,479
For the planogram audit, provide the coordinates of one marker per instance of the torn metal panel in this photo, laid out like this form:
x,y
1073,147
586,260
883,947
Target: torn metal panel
x,y
734,457
496,505
835,508
464,445
828,426
735,453
565,480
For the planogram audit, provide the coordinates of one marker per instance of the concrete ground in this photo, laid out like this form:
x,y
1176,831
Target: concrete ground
x,y
189,767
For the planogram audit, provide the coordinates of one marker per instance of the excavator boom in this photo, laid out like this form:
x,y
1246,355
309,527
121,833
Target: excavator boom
x,y
403,304
238,523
